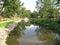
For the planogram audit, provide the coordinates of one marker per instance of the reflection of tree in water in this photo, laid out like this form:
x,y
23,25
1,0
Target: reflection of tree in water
x,y
12,40
15,34
46,36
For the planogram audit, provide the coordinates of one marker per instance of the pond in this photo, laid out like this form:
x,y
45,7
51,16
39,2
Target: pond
x,y
33,35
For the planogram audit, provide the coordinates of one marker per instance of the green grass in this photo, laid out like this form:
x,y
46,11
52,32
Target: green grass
x,y
5,23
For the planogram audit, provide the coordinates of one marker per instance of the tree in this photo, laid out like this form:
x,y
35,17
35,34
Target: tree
x,y
25,13
11,7
1,6
34,14
46,7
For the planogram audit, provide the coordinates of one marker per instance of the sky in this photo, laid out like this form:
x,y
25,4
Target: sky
x,y
29,4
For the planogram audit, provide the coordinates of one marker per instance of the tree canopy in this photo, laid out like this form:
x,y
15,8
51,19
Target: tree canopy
x,y
11,7
46,7
25,13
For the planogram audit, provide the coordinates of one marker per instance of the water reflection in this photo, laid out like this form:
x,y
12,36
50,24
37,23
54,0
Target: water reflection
x,y
32,35
15,34
12,40
46,36
58,39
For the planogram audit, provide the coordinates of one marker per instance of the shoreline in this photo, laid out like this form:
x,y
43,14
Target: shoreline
x,y
4,31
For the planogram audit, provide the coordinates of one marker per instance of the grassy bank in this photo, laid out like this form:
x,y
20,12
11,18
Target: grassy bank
x,y
4,23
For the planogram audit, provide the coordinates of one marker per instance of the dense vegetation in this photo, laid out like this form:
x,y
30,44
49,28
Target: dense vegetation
x,y
10,8
20,27
46,15
47,23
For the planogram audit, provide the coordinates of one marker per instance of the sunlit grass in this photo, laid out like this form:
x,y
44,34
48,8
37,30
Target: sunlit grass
x,y
5,23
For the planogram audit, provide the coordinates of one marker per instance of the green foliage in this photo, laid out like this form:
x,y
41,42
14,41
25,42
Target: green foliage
x,y
46,11
12,7
17,31
47,23
47,8
43,13
5,23
25,13
34,14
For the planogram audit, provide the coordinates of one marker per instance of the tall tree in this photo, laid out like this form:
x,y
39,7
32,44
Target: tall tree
x,y
46,7
12,7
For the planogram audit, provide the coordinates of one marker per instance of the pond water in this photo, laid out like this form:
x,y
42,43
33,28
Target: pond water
x,y
32,35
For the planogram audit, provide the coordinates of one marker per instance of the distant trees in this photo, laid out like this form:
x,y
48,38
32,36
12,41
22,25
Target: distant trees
x,y
25,13
34,14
